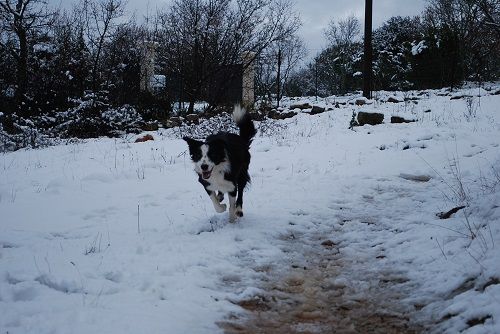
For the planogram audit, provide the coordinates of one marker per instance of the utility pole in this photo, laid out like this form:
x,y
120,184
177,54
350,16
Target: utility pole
x,y
278,79
316,79
368,57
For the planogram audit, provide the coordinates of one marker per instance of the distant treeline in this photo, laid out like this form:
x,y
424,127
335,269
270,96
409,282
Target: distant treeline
x,y
452,41
80,73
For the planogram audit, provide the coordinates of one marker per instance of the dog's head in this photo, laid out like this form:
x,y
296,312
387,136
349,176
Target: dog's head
x,y
206,156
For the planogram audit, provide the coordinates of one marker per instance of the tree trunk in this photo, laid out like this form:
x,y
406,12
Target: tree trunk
x,y
22,68
278,78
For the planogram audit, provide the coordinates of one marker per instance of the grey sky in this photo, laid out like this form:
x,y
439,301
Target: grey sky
x,y
315,14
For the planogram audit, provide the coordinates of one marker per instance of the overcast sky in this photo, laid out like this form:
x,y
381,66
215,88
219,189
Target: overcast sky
x,y
315,14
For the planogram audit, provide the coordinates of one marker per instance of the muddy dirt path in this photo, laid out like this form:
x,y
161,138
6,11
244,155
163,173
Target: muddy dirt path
x,y
322,290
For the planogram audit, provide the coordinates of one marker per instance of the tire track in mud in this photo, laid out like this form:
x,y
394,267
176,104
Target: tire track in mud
x,y
321,289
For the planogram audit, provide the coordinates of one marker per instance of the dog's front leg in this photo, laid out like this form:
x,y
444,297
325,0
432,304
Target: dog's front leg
x,y
217,205
232,206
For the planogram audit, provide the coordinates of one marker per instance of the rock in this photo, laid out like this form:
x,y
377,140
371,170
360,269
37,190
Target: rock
x,y
289,114
144,138
274,114
317,110
328,243
301,106
361,101
370,118
256,115
415,178
193,118
397,119
173,121
394,99
457,96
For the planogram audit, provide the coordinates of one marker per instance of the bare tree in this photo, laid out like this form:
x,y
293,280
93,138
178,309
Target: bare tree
x,y
286,53
344,32
468,28
20,21
202,39
343,37
491,10
100,20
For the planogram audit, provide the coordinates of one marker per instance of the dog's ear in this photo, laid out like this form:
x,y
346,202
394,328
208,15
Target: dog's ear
x,y
192,142
193,145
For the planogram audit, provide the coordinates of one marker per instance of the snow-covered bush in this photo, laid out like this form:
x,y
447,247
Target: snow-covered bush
x,y
125,118
93,117
23,133
206,127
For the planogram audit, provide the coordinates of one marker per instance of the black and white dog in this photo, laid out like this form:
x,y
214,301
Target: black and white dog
x,y
222,161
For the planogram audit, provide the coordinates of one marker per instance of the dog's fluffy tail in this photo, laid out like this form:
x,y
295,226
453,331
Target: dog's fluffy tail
x,y
244,122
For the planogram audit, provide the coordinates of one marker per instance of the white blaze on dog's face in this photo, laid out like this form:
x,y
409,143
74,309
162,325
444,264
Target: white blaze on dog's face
x,y
208,158
204,166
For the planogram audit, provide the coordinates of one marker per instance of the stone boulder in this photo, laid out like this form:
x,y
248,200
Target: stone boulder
x,y
394,99
398,119
274,114
301,106
144,138
173,122
193,118
317,110
361,101
371,118
257,115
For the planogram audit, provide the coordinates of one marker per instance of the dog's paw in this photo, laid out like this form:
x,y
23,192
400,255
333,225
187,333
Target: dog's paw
x,y
220,208
238,211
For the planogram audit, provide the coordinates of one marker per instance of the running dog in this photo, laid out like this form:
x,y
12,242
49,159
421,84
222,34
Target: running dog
x,y
222,161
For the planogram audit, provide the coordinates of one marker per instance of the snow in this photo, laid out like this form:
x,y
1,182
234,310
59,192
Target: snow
x,y
158,81
417,49
44,47
111,236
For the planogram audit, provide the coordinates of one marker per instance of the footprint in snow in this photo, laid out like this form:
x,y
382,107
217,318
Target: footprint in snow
x,y
24,294
5,244
214,223
300,213
475,151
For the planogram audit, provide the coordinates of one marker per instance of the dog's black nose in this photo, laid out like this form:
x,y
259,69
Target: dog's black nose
x,y
204,167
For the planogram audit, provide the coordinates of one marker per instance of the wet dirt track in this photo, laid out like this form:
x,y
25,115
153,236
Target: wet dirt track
x,y
322,291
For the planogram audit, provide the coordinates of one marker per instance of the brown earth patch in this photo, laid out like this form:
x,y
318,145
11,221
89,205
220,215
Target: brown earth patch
x,y
310,299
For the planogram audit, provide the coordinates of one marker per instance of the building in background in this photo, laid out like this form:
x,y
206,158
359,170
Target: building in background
x,y
229,85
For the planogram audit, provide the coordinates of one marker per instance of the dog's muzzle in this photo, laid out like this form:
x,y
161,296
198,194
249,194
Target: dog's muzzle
x,y
206,174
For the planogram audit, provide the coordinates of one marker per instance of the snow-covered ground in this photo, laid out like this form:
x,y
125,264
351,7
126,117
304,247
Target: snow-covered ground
x,y
111,236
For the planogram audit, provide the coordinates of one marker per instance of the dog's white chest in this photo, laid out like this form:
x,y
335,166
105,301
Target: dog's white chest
x,y
218,183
